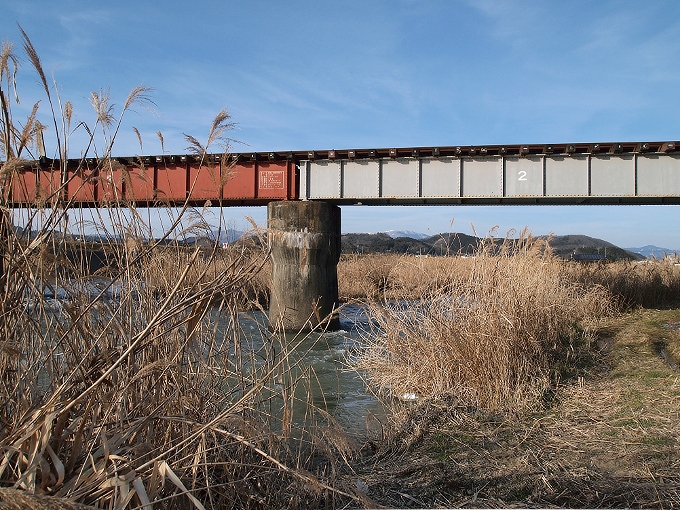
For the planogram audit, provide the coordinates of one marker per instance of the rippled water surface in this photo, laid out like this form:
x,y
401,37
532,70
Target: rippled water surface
x,y
335,386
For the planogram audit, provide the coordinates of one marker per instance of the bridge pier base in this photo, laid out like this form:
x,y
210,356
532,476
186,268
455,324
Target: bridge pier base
x,y
304,238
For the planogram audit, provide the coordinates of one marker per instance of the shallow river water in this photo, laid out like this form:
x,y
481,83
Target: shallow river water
x,y
336,387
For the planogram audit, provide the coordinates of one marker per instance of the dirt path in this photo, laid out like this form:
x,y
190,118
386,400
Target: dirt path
x,y
610,438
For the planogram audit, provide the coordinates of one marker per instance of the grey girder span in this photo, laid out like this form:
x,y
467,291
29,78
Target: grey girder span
x,y
626,178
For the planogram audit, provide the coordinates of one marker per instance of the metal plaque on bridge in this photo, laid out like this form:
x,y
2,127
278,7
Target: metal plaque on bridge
x,y
400,178
524,176
658,175
482,177
440,178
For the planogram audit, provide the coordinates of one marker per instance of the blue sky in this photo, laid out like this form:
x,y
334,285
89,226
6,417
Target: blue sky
x,y
300,75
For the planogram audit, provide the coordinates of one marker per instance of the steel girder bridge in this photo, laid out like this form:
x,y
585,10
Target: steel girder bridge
x,y
580,173
303,191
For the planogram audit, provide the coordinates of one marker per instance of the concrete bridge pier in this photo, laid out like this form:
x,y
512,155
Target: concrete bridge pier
x,y
304,238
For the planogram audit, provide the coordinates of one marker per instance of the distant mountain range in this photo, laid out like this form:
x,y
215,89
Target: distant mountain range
x,y
430,245
653,252
406,233
409,242
452,243
649,251
405,241
564,246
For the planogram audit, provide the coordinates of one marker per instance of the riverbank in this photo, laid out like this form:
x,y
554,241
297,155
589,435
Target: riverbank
x,y
608,437
603,433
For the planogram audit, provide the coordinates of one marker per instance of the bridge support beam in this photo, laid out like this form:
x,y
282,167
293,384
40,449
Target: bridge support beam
x,y
304,238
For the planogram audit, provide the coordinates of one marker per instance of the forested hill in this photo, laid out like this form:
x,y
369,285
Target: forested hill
x,y
453,243
566,245
440,244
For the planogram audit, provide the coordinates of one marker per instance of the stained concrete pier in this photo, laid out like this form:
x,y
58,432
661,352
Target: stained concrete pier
x,y
304,238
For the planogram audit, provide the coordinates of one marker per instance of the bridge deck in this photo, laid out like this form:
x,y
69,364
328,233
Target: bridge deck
x,y
532,179
613,173
157,181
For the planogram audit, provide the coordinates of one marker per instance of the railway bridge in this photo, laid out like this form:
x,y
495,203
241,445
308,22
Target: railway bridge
x,y
303,190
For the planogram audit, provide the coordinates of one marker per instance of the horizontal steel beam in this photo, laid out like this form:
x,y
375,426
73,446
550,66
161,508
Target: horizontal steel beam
x,y
490,150
571,173
154,181
575,178
393,153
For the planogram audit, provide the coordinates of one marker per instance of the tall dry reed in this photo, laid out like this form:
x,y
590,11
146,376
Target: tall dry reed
x,y
495,331
161,265
133,385
650,283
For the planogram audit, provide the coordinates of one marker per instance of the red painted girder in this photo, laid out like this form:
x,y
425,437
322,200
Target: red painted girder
x,y
156,182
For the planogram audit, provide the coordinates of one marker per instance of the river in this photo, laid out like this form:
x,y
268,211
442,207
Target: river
x,y
322,360
325,361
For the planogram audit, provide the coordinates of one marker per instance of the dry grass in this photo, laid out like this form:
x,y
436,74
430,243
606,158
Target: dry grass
x,y
162,264
366,276
497,331
390,277
651,283
138,387
534,389
610,438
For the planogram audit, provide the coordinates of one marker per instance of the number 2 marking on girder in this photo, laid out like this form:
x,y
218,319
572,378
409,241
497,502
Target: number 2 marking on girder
x,y
522,175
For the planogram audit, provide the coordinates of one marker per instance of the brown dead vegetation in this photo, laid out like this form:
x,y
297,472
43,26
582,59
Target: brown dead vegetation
x,y
609,437
138,388
650,283
498,330
142,392
539,382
